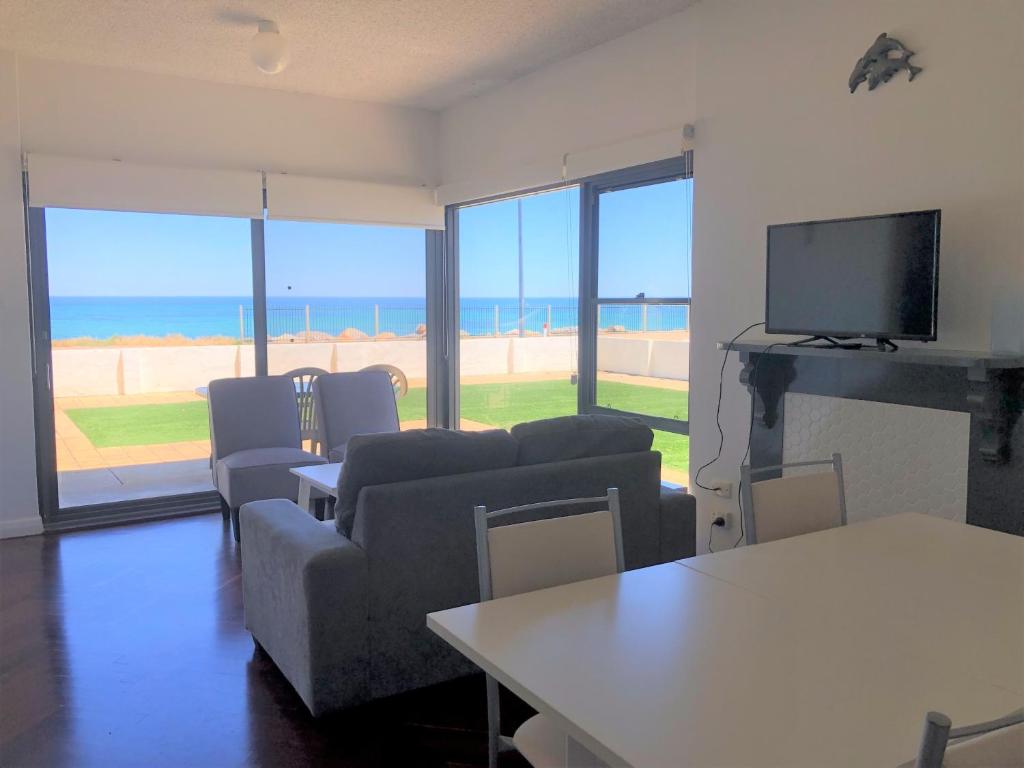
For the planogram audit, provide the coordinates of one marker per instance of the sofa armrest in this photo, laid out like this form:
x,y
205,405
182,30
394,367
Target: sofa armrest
x,y
678,525
304,588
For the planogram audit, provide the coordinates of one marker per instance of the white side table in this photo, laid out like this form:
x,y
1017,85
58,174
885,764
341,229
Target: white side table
x,y
316,482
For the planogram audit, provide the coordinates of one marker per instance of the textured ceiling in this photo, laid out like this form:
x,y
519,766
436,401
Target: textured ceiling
x,y
423,53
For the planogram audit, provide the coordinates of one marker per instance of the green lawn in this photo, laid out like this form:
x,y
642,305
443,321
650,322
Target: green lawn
x,y
122,425
501,405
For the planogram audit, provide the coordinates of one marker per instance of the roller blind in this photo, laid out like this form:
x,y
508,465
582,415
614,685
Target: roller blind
x,y
514,179
66,182
625,154
307,198
577,166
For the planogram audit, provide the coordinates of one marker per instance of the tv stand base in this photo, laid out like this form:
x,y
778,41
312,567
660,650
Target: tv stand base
x,y
830,343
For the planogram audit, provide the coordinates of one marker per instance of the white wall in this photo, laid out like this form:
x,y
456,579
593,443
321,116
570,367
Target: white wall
x,y
780,138
19,510
634,86
103,113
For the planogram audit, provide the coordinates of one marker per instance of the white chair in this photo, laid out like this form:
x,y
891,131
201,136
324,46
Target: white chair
x,y
303,378
523,557
398,378
792,505
994,744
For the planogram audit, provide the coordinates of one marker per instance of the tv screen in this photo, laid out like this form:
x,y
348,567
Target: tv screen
x,y
875,276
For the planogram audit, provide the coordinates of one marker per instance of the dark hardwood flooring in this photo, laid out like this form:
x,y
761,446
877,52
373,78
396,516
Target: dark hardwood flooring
x,y
125,647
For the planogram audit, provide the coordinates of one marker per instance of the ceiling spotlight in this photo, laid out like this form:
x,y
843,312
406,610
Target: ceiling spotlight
x,y
268,49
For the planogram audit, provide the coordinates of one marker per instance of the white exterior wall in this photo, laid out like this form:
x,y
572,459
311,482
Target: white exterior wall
x,y
138,370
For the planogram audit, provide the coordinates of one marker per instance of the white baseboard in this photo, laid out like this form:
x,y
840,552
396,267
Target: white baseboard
x,y
23,526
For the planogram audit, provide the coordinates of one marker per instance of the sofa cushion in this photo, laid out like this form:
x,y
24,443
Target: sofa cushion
x,y
413,455
580,437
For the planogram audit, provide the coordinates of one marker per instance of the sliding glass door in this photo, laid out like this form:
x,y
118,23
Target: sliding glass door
x,y
517,309
135,313
143,311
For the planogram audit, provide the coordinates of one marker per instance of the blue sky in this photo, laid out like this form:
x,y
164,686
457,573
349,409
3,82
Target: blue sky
x,y
644,247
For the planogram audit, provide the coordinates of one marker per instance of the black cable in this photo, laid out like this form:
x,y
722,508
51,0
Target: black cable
x,y
718,408
750,432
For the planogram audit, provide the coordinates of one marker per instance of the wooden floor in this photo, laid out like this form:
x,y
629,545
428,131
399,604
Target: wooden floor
x,y
125,647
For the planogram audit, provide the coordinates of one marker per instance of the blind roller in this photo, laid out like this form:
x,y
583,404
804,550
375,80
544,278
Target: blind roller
x,y
308,198
578,165
107,185
510,180
625,154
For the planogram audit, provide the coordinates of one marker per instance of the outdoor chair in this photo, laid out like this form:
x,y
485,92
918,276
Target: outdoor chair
x,y
303,379
398,378
355,403
255,439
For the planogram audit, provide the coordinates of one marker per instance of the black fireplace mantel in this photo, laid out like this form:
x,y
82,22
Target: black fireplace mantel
x,y
988,386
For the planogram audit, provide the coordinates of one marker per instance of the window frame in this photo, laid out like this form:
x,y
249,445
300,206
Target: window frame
x,y
591,189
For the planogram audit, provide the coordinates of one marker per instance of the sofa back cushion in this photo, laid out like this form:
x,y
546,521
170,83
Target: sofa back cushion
x,y
580,437
414,455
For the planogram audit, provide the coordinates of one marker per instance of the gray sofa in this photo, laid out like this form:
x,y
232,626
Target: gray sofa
x,y
340,605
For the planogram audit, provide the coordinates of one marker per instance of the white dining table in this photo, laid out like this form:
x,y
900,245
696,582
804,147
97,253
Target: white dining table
x,y
820,650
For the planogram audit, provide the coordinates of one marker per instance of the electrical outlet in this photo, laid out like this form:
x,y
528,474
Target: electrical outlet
x,y
728,520
723,488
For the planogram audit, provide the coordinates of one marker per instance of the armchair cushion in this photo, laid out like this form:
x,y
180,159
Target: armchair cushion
x,y
261,473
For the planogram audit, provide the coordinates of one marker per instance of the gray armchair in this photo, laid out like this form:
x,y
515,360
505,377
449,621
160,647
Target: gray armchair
x,y
255,439
349,404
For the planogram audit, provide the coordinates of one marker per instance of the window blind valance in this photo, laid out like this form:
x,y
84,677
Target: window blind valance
x,y
109,185
625,154
308,198
570,168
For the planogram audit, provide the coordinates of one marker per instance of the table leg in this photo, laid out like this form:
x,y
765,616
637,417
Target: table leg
x,y
305,491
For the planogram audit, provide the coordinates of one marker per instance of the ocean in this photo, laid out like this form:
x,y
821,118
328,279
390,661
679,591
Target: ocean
x,y
101,317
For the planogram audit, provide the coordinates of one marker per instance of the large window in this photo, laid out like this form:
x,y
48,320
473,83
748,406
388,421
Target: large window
x,y
341,297
577,300
145,309
517,309
553,302
638,257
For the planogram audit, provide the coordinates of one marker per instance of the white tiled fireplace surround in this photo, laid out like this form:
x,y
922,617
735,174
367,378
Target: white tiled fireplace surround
x,y
895,458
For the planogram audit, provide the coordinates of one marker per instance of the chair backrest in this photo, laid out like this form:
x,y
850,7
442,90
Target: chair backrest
x,y
523,557
356,403
252,412
398,378
303,379
793,504
996,743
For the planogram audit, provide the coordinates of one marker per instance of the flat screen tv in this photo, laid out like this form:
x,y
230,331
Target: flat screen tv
x,y
872,276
